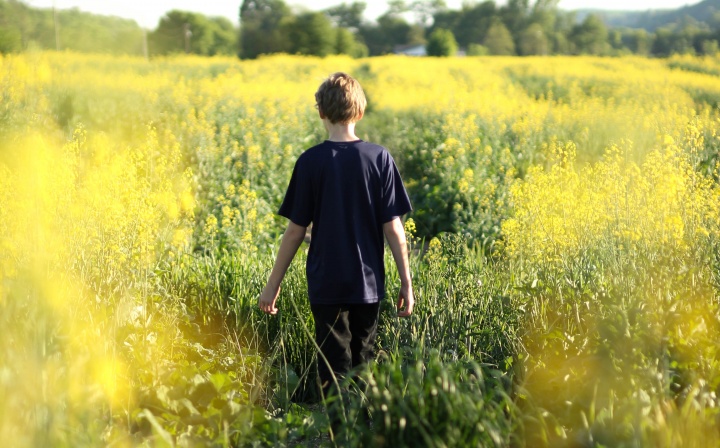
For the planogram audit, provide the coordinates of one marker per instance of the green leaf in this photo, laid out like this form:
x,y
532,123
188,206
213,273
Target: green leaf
x,y
157,427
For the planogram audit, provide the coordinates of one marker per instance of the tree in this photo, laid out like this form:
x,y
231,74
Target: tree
x,y
10,41
474,22
312,33
22,27
415,35
190,32
441,43
81,31
533,41
347,15
391,30
637,41
263,27
514,15
447,19
182,31
615,40
13,15
476,50
590,37
397,7
498,40
225,36
710,47
545,14
346,43
558,36
425,10
14,20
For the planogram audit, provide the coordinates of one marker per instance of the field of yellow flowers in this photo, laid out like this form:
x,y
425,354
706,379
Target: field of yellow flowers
x,y
566,252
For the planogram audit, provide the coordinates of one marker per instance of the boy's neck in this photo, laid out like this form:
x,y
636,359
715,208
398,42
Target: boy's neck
x,y
340,132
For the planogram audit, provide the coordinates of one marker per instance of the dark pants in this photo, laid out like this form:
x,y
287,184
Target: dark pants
x,y
346,337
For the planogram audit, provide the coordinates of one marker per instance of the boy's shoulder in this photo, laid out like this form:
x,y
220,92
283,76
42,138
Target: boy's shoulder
x,y
327,146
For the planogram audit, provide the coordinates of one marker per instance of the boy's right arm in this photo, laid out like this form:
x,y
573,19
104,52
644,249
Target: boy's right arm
x,y
293,237
395,234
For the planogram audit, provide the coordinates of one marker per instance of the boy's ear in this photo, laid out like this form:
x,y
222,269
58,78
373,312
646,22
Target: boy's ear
x,y
322,115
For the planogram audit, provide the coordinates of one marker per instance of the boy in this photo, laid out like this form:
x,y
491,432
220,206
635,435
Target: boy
x,y
351,192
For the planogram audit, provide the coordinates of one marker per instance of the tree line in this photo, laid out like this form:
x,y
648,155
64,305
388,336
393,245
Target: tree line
x,y
519,27
23,27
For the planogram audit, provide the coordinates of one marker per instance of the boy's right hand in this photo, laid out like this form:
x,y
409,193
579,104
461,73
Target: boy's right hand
x,y
267,299
406,299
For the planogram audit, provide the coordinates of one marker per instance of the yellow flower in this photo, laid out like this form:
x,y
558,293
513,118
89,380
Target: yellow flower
x,y
410,228
211,225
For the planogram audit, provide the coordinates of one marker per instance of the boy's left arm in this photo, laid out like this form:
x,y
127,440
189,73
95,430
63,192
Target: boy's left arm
x,y
293,237
395,234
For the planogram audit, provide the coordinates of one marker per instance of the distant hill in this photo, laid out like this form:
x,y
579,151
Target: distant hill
x,y
707,12
615,19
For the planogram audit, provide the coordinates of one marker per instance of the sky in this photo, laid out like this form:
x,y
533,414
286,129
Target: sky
x,y
147,13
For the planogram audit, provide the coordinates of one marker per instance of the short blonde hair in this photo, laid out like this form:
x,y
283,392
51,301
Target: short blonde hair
x,y
341,98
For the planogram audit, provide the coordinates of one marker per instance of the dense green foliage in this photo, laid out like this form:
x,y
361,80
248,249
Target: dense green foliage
x,y
268,26
261,27
186,32
23,27
441,43
312,34
498,40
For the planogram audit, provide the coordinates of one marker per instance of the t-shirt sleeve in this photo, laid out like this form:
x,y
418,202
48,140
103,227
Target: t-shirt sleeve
x,y
298,205
395,200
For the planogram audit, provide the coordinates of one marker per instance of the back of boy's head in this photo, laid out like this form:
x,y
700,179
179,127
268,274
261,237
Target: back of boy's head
x,y
341,99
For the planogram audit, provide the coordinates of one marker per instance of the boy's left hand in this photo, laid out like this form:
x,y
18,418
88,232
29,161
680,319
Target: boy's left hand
x,y
406,301
267,299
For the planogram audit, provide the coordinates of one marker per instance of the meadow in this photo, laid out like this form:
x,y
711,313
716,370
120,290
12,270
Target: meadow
x,y
565,252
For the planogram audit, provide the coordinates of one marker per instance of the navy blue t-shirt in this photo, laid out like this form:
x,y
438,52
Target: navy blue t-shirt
x,y
347,190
